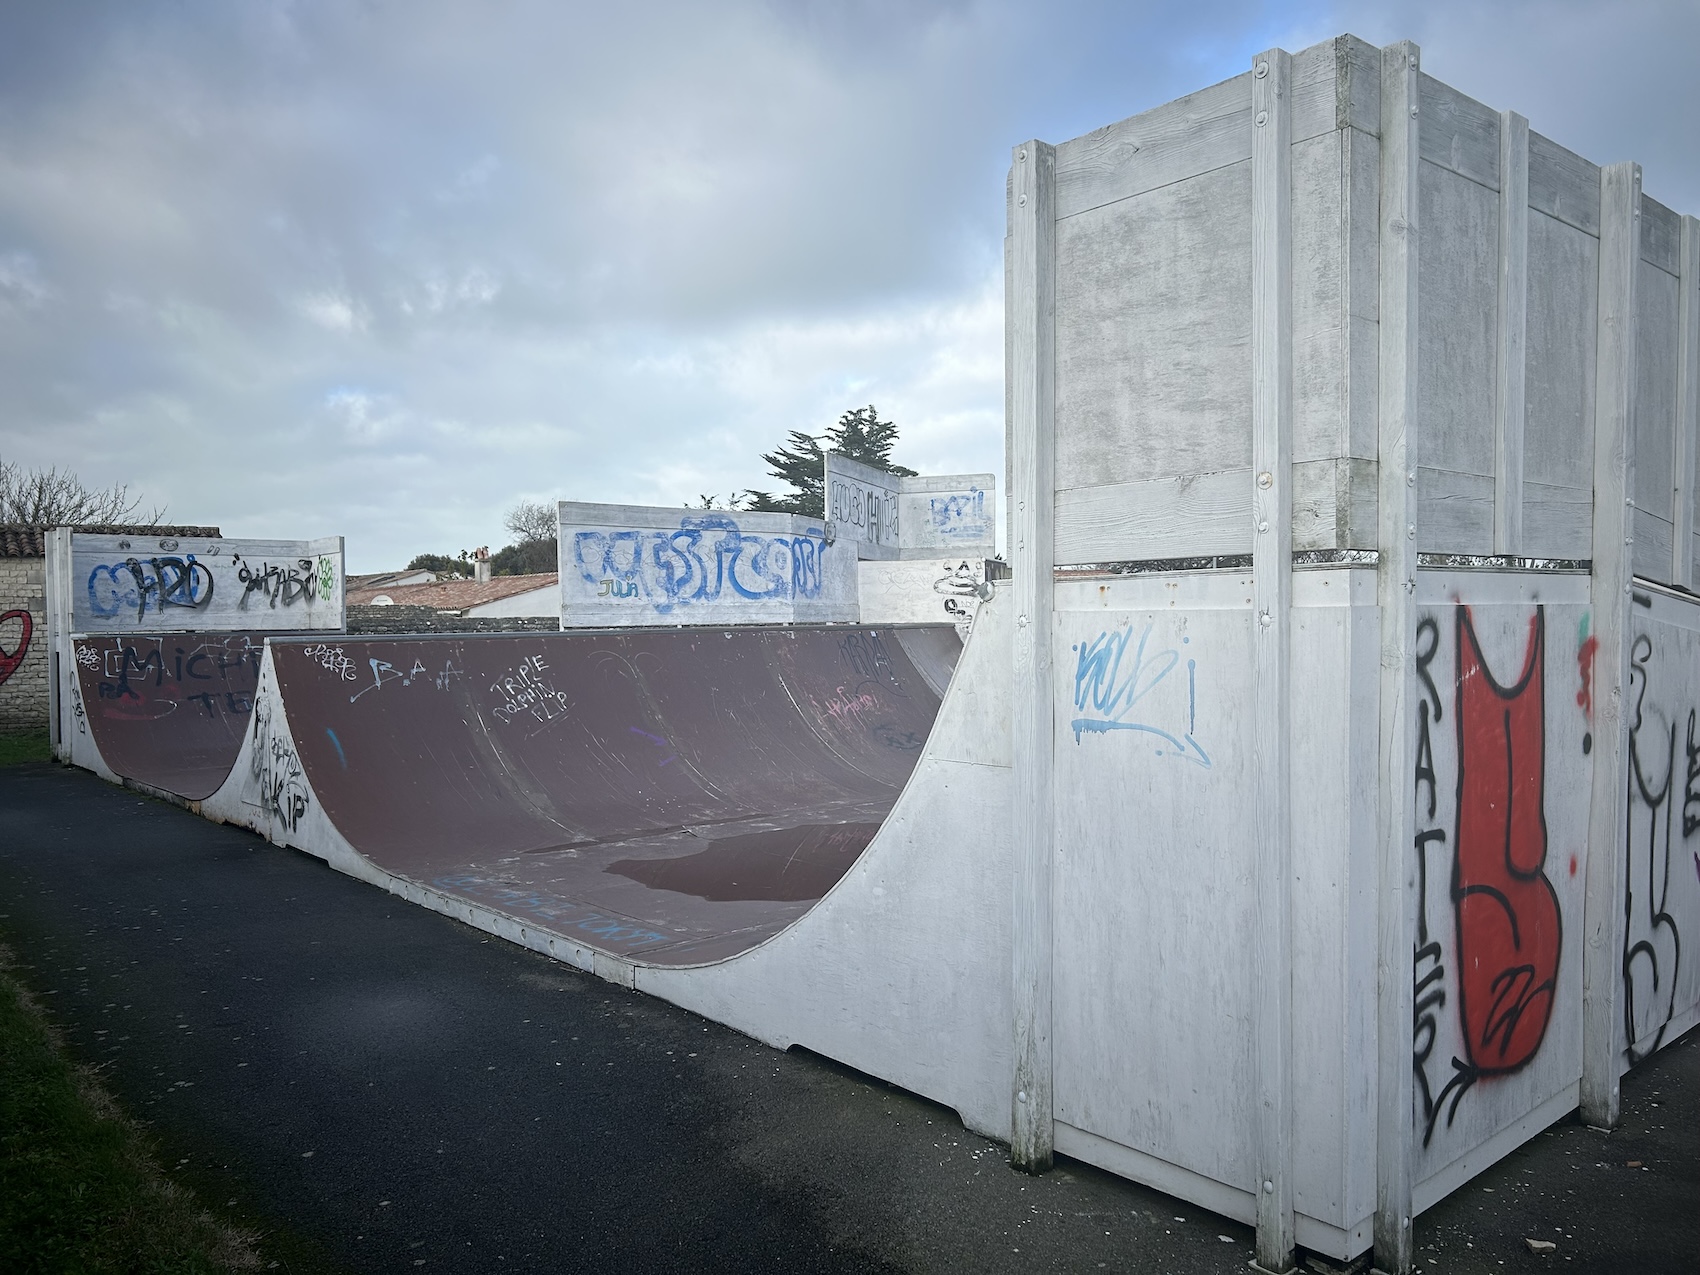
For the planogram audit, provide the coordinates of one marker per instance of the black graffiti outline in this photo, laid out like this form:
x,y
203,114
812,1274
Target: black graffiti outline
x,y
1658,914
1428,988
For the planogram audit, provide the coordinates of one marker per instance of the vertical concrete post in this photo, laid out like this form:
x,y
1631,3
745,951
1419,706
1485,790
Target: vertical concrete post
x,y
1512,325
1272,578
1030,299
1396,585
1614,524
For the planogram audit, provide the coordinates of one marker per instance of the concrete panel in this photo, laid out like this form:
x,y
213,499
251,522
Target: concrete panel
x,y
885,515
1501,739
1153,324
632,565
132,584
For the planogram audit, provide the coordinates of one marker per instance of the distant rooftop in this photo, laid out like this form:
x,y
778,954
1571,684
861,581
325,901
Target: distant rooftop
x,y
29,540
450,595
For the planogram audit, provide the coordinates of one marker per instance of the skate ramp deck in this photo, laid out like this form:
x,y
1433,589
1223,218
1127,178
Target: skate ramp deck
x,y
167,711
673,797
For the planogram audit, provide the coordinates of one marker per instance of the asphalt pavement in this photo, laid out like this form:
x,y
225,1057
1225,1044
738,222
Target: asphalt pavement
x,y
375,1087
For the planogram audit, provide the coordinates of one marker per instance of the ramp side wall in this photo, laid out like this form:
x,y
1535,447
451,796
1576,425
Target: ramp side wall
x,y
902,970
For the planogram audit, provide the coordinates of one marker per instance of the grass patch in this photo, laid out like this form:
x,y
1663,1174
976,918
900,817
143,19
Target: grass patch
x,y
80,1187
16,748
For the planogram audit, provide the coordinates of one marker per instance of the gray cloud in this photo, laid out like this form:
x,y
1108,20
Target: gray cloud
x,y
383,269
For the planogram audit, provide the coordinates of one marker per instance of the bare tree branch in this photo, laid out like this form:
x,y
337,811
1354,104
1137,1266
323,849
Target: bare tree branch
x,y
55,498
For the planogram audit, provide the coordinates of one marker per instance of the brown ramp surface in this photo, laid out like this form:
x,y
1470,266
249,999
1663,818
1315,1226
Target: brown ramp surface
x,y
170,710
676,796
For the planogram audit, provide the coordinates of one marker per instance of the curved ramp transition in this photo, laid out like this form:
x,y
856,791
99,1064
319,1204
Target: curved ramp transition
x,y
675,796
169,711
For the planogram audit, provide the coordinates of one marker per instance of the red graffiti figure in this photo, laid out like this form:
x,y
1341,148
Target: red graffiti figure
x,y
1509,926
9,660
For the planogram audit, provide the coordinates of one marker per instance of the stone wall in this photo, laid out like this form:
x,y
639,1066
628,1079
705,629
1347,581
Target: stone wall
x,y
23,645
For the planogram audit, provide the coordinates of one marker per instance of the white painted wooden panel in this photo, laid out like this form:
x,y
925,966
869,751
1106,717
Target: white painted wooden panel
x,y
1558,522
1479,1071
1153,320
1361,186
1457,316
1661,236
1333,667
630,565
1454,511
151,584
1153,898
1563,185
1458,133
886,515
1661,971
1558,445
1334,505
1651,557
1318,305
1207,513
1654,426
1195,134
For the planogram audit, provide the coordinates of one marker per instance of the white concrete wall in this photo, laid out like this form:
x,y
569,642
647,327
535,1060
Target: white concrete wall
x,y
536,602
628,565
130,584
931,591
888,515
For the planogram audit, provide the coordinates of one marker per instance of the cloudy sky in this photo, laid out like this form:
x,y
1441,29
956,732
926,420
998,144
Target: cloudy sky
x,y
383,269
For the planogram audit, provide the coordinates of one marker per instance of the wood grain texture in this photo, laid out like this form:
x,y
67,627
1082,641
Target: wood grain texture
x,y
1563,185
1357,85
1360,210
1192,135
1396,596
1511,363
1558,521
1454,511
1318,303
1459,133
1272,313
1156,518
1614,484
1558,449
1031,320
1661,236
1457,320
1687,446
1153,298
1653,430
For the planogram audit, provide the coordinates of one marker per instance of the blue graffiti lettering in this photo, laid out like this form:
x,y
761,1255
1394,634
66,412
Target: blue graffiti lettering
x,y
704,559
1108,686
143,582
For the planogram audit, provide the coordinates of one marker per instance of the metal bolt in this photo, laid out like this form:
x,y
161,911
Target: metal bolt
x,y
1021,201
1411,531
1262,526
1265,619
1413,112
1262,118
1021,155
1021,1095
1262,69
1411,478
1266,480
1268,1187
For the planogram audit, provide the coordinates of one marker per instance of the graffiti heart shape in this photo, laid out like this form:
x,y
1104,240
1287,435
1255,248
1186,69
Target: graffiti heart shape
x,y
11,657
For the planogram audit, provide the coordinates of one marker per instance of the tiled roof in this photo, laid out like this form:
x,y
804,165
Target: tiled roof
x,y
455,595
27,540
380,579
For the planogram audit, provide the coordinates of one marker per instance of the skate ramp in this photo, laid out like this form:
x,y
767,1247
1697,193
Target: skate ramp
x,y
167,711
673,797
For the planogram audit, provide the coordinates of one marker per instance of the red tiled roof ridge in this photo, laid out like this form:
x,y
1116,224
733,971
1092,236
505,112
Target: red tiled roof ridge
x,y
455,595
29,539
